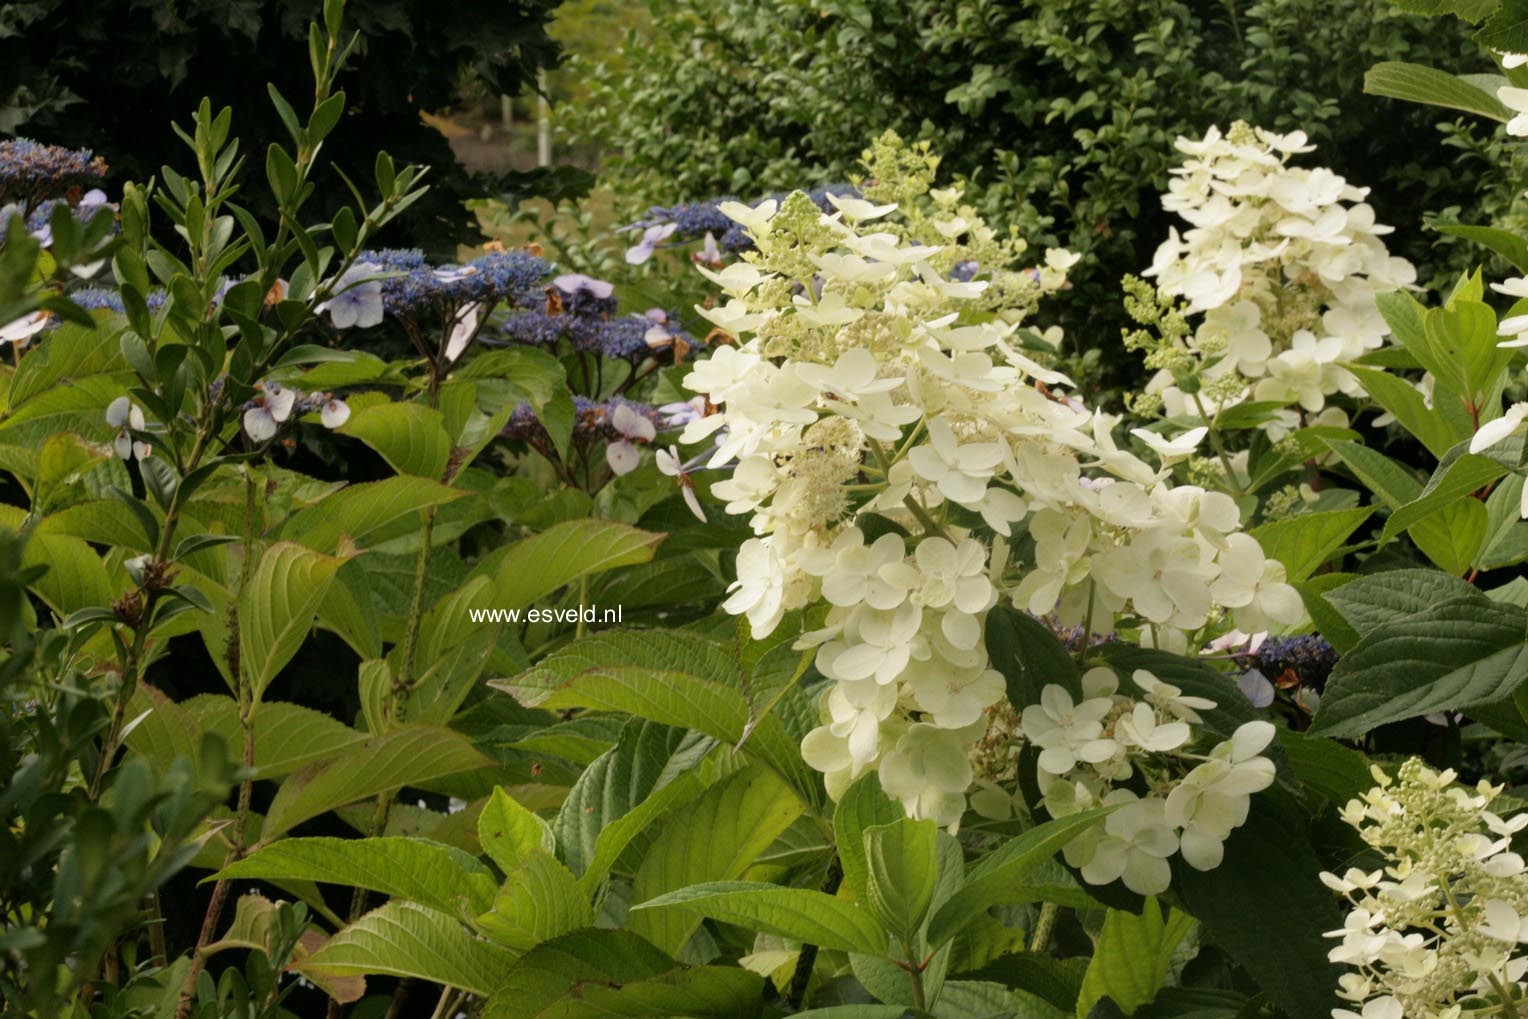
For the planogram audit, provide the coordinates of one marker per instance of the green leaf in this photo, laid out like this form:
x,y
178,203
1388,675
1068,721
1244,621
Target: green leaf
x,y
715,838
409,436
540,901
277,607
998,877
406,756
1431,87
807,916
1452,656
1506,31
1057,982
670,677
1029,655
601,974
1368,603
536,566
1466,357
636,778
1131,957
1325,766
1305,542
903,864
862,806
405,939
414,869
287,736
1266,906
357,513
508,832
1504,242
1403,400
1459,474
1506,540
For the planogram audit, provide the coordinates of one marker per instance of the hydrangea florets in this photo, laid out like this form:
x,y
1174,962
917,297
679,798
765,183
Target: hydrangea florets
x,y
875,372
1278,269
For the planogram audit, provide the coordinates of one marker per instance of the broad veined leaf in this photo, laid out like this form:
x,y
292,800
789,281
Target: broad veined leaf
x,y
409,436
600,974
1057,982
1131,958
808,916
862,806
1452,656
1266,906
1029,655
71,354
1403,400
998,877
629,780
277,608
675,678
76,578
1506,541
536,566
287,736
405,939
1325,766
1432,87
1447,537
414,869
540,901
1460,473
406,756
715,838
1305,542
902,863
508,832
1367,603
356,513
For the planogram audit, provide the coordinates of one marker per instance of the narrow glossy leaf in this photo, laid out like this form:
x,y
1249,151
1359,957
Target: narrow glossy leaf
x,y
1505,243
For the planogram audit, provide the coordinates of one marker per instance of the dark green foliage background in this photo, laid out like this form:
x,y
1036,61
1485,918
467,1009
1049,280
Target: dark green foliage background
x,y
1063,111
112,76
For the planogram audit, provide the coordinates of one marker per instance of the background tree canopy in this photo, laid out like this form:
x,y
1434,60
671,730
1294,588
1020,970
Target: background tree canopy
x,y
112,77
1062,112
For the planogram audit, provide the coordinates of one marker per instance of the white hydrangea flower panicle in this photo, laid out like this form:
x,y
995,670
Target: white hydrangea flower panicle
x,y
1143,748
883,429
1269,291
1439,928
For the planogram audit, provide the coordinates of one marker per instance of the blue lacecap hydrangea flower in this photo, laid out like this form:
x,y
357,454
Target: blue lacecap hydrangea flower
x,y
31,171
693,220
